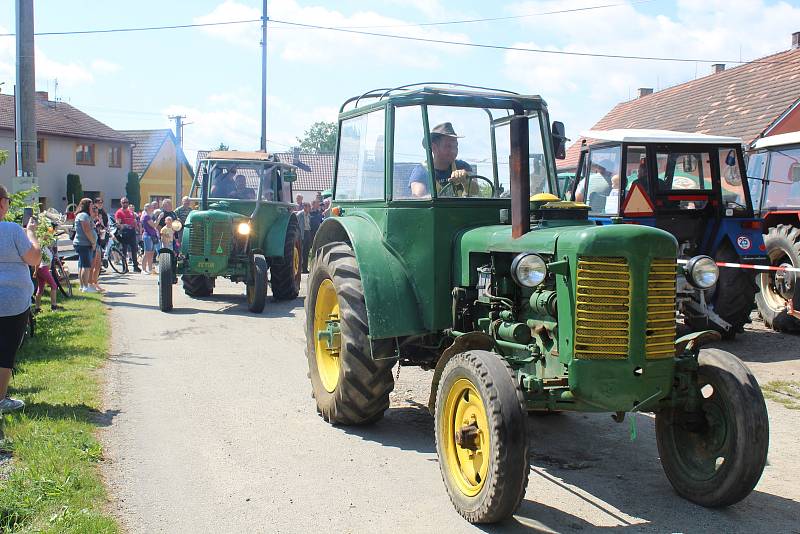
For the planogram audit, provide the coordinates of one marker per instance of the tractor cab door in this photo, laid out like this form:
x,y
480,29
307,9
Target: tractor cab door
x,y
598,181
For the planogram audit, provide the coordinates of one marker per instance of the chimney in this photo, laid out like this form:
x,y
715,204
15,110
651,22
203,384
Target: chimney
x,y
42,95
644,91
717,67
796,40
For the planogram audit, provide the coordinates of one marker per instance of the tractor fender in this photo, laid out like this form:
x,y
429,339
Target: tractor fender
x,y
469,341
389,293
276,235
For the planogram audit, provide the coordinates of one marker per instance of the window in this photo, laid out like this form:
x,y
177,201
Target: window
x,y
682,172
84,154
360,174
784,179
410,158
601,188
114,156
41,150
537,162
756,167
731,180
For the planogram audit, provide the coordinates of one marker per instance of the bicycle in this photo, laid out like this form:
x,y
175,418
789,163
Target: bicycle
x,y
116,256
60,273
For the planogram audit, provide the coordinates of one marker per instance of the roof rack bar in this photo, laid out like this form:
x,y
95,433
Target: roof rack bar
x,y
445,84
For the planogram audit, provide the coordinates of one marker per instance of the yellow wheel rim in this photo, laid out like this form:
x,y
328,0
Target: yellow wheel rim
x,y
326,335
465,434
296,259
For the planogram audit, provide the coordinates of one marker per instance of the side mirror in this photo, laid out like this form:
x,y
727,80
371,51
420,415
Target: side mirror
x,y
558,133
289,175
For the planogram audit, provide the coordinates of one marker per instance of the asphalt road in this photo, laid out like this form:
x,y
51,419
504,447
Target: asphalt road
x,y
212,428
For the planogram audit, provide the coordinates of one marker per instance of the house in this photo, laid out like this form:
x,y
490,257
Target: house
x,y
314,171
749,101
68,142
154,153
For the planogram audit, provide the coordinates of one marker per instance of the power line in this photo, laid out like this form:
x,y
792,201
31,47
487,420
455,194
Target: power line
x,y
495,19
521,49
140,29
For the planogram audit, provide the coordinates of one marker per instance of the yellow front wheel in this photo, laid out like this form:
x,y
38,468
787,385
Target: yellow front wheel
x,y
481,436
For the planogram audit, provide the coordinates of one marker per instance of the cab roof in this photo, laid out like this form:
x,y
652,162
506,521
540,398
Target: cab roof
x,y
624,135
239,155
791,138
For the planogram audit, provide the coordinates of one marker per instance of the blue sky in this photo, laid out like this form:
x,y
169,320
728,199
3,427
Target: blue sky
x,y
212,75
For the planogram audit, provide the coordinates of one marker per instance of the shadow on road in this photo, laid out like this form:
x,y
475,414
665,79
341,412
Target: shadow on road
x,y
235,305
73,412
408,428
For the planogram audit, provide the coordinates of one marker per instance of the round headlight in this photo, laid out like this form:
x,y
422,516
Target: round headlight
x,y
529,270
243,228
703,272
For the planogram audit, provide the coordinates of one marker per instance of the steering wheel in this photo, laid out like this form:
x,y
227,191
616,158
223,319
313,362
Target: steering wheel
x,y
443,192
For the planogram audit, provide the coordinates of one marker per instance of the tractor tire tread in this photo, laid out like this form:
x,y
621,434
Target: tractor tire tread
x,y
787,238
285,283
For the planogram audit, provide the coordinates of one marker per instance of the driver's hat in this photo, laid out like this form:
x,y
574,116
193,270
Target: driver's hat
x,y
446,129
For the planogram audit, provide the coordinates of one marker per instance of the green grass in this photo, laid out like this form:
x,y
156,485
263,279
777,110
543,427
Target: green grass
x,y
53,482
786,393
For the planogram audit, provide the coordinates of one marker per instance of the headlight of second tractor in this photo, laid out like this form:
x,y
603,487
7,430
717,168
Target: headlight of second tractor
x,y
243,228
529,270
702,272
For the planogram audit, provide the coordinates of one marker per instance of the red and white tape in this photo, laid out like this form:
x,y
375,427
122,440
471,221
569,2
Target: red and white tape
x,y
751,266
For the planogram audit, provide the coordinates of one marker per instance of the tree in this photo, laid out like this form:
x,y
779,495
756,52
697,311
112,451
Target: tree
x,y
222,146
133,190
74,189
3,156
321,137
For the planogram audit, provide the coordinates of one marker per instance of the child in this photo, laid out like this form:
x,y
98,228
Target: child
x,y
44,276
167,234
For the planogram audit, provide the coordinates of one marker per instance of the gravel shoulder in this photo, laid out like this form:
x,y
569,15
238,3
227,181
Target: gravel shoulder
x,y
215,430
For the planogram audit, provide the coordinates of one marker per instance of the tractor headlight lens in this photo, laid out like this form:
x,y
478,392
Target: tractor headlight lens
x,y
529,270
703,272
243,228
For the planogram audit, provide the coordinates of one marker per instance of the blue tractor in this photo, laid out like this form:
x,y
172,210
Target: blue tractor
x,y
693,186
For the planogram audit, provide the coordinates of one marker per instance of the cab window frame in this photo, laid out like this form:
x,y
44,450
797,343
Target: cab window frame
x,y
387,154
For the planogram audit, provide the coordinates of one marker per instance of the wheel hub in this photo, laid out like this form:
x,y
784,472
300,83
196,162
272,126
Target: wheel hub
x,y
467,436
784,282
327,335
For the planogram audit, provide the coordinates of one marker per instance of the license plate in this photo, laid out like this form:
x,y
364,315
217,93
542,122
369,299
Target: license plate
x,y
205,265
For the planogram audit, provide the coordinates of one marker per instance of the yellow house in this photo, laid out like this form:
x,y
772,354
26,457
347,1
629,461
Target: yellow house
x,y
153,159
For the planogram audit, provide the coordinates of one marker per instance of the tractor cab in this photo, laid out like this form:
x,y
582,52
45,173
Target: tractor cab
x,y
690,185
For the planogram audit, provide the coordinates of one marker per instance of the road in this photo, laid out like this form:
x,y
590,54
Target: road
x,y
213,429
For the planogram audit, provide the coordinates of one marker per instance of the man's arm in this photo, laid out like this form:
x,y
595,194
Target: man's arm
x,y
417,181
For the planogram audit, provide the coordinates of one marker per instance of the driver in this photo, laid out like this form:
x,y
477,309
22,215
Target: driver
x,y
223,186
241,190
447,169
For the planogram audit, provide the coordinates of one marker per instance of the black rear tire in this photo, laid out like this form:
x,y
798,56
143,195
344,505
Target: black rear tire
x,y
117,261
257,286
165,279
783,247
715,456
198,285
502,446
361,392
61,277
285,272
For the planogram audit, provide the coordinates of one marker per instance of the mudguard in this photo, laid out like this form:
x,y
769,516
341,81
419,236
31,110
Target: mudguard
x,y
276,235
391,298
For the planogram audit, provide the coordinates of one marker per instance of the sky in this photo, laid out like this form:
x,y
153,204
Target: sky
x,y
136,80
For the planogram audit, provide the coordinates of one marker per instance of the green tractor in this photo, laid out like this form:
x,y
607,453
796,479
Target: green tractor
x,y
450,250
244,230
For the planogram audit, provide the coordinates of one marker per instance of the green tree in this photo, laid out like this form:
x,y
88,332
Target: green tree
x,y
133,190
3,156
74,189
321,137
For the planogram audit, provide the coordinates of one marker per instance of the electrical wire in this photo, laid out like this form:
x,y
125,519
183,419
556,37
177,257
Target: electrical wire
x,y
140,29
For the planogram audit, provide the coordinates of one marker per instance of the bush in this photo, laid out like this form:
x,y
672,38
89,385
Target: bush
x,y
133,191
74,189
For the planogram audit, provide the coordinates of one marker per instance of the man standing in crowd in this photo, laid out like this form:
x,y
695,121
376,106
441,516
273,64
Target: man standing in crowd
x,y
299,202
126,223
304,219
184,210
166,211
316,218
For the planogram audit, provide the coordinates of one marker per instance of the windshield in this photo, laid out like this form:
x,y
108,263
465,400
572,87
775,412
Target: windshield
x,y
470,150
240,180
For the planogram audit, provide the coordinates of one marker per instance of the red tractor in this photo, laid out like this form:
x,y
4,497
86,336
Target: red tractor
x,y
774,175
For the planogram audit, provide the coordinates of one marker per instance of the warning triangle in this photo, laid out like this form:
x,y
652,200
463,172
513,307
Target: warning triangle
x,y
637,203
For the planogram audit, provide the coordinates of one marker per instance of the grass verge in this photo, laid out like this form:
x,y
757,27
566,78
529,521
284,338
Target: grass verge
x,y
786,393
53,484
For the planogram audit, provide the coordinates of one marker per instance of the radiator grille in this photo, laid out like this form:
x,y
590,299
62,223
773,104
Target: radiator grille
x,y
602,314
197,237
221,237
661,309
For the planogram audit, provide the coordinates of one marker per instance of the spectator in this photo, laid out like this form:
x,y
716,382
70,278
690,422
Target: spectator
x,y
184,210
126,223
44,276
304,220
104,238
149,237
166,211
85,242
18,249
98,251
167,234
299,202
326,208
316,218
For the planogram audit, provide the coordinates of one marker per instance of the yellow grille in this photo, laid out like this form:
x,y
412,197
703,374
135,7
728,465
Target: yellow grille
x,y
197,238
602,314
661,309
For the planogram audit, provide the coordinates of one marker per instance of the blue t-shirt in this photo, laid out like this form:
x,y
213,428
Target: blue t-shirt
x,y
16,286
80,236
420,173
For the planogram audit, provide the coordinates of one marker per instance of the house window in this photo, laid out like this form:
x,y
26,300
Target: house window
x,y
114,156
41,150
84,154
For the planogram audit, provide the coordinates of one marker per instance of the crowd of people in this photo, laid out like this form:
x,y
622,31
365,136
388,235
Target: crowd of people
x,y
309,216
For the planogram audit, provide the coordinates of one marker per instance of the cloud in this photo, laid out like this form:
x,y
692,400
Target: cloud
x,y
580,90
323,46
105,67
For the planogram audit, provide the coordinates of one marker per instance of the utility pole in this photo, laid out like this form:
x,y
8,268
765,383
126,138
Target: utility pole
x,y
25,92
264,20
178,149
